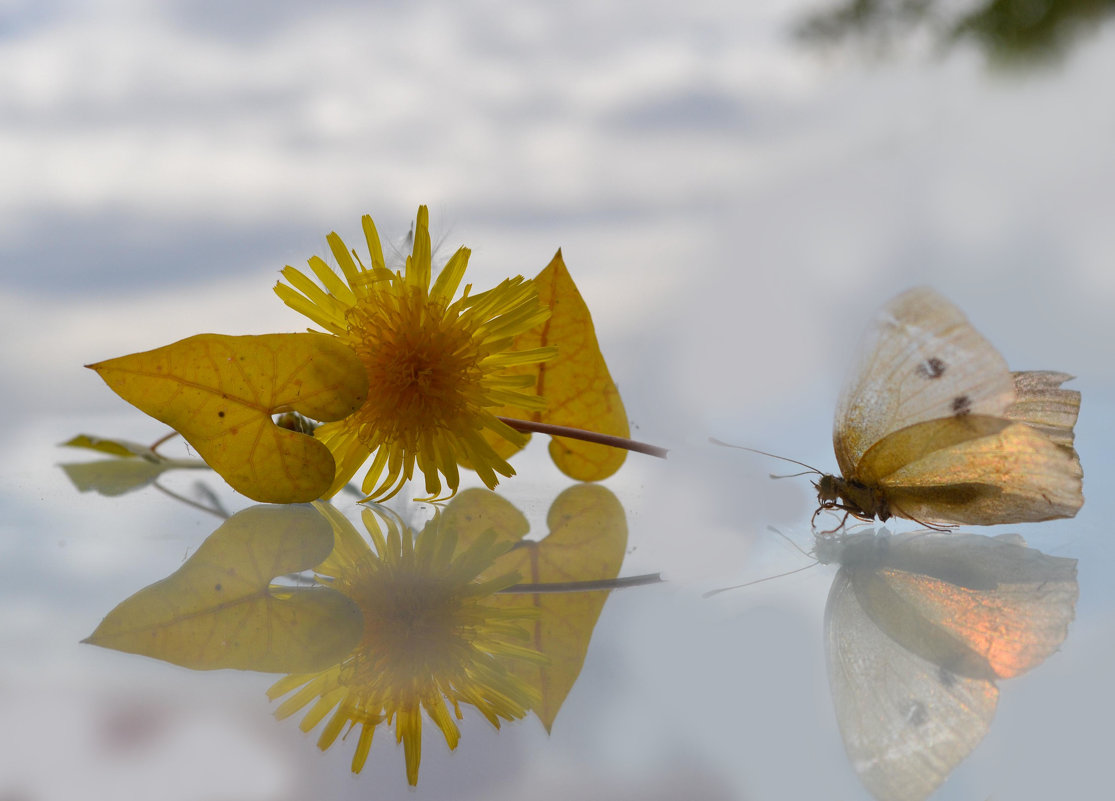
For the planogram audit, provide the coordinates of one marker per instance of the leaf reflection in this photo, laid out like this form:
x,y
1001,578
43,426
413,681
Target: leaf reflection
x,y
587,542
918,628
132,467
406,623
220,610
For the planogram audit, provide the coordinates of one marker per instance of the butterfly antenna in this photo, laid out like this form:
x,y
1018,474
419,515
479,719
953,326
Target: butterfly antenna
x,y
793,544
711,593
790,475
810,468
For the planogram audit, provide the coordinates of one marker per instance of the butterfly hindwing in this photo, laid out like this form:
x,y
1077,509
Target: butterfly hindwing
x,y
1042,403
1014,475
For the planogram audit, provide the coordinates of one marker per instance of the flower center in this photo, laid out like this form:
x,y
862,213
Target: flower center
x,y
419,620
423,366
415,629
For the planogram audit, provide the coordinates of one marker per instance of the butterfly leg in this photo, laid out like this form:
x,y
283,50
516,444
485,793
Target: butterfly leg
x,y
848,512
930,526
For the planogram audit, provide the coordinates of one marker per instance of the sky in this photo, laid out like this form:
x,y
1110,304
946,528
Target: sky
x,y
711,182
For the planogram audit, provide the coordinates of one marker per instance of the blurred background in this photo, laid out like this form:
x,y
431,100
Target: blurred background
x,y
735,188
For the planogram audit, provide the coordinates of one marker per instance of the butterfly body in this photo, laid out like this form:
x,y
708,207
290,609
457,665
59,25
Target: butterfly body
x,y
935,428
853,497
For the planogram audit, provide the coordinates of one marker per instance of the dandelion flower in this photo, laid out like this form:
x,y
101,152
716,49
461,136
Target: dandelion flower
x,y
438,367
433,639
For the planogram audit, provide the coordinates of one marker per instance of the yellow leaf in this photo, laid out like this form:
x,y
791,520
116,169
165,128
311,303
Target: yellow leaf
x,y
576,384
475,512
219,393
587,542
219,610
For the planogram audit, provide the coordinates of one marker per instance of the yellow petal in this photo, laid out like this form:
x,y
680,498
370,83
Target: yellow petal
x,y
219,392
449,279
419,264
371,235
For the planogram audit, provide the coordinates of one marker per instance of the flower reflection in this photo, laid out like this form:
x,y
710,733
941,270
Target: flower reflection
x,y
433,638
408,625
222,609
918,628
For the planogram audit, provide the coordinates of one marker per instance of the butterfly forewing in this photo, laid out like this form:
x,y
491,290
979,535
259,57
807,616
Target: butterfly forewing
x,y
905,722
920,361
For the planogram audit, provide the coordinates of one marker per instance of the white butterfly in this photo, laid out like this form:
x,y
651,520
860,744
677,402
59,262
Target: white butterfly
x,y
918,628
934,427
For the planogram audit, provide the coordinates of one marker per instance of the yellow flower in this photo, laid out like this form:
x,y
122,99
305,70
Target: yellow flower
x,y
437,367
433,639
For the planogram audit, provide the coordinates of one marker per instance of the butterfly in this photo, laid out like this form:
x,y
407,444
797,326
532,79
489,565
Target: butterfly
x,y
934,427
918,628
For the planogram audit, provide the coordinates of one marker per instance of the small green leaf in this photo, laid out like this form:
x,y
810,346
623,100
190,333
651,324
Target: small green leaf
x,y
113,447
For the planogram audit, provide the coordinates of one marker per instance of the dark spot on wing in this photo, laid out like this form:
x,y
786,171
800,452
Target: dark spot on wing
x,y
946,678
961,405
931,368
916,714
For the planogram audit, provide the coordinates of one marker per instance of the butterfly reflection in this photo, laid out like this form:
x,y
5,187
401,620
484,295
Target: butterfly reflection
x,y
918,629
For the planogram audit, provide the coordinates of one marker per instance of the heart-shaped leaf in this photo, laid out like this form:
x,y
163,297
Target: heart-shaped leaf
x,y
576,384
477,511
220,392
220,610
587,542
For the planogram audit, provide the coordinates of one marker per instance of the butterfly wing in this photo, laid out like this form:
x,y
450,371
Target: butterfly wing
x,y
920,361
906,723
917,629
975,469
1040,402
984,607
